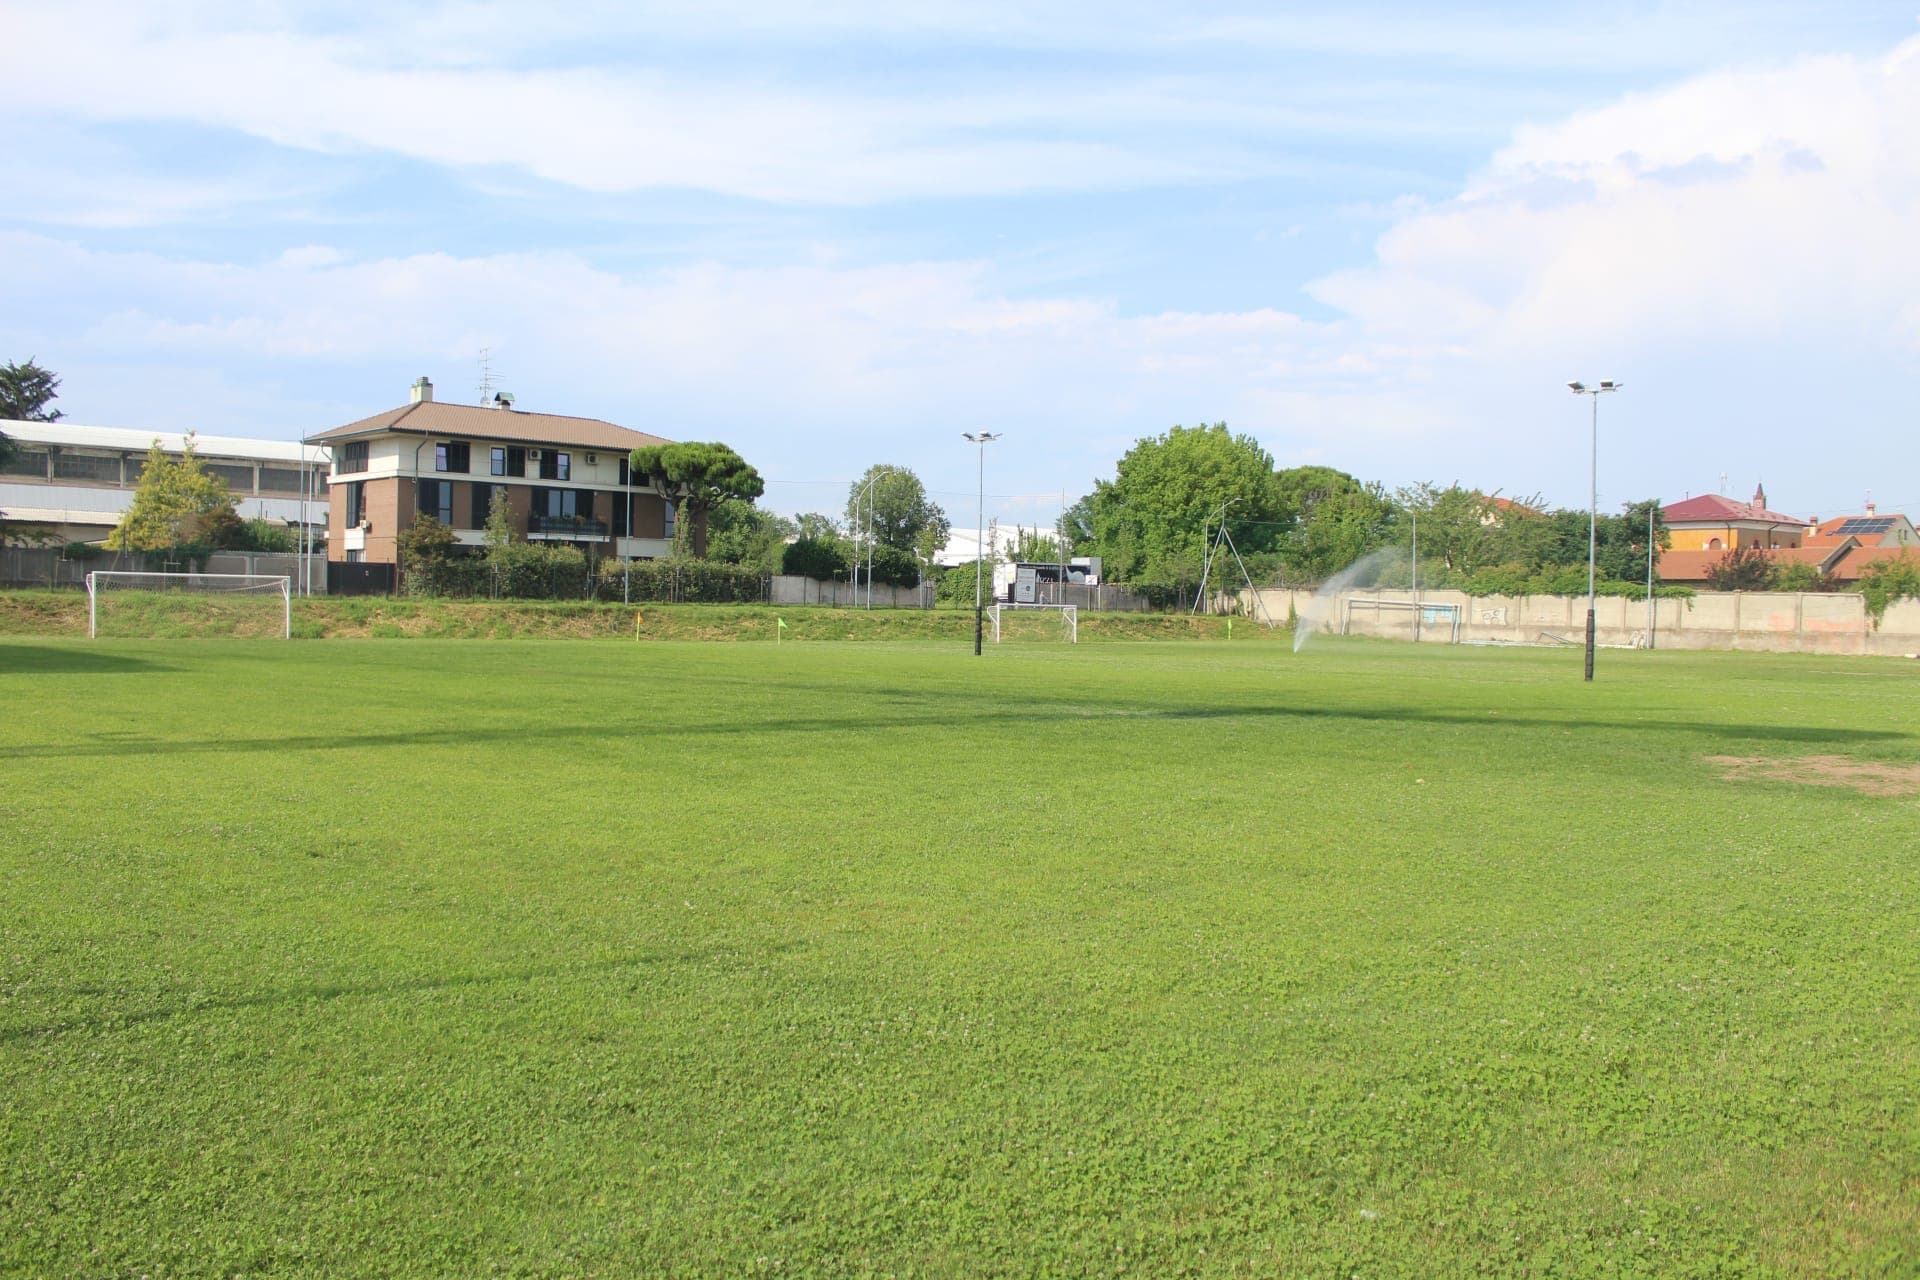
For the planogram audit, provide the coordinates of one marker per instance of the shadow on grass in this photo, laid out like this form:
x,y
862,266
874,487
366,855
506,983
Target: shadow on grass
x,y
328,991
34,660
1090,715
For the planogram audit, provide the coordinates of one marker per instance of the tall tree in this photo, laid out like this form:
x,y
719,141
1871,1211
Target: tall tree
x,y
696,475
902,515
179,511
1149,521
25,392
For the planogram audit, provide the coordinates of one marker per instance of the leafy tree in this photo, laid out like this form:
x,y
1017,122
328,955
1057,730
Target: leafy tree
x,y
262,535
179,512
1741,569
1795,575
1336,520
25,392
902,515
1885,581
956,585
817,527
499,533
815,558
425,544
1149,521
1031,546
696,475
740,533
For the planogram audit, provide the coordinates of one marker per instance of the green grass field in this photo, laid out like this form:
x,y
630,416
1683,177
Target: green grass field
x,y
460,958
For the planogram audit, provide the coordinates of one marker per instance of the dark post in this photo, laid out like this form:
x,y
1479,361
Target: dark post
x,y
979,617
1589,644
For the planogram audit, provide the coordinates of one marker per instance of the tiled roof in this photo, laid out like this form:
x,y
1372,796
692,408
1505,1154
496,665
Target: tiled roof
x,y
477,422
1871,530
1716,508
1692,566
1856,561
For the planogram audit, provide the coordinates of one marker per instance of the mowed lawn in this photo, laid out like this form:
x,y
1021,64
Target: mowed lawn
x,y
610,959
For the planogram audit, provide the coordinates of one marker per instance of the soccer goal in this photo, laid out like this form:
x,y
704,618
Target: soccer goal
x,y
127,602
1007,618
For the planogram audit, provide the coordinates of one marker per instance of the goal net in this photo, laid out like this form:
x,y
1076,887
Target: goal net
x,y
123,602
1035,622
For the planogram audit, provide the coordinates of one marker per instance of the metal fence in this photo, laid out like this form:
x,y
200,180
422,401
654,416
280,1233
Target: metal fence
x,y
50,567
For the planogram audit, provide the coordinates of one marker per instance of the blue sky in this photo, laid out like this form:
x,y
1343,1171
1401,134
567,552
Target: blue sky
x,y
840,234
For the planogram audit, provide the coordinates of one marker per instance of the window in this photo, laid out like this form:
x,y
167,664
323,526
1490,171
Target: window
x,y
516,460
436,500
556,466
355,557
667,503
483,504
356,503
566,466
622,504
279,480
238,478
625,469
556,504
27,462
350,458
499,466
86,466
452,455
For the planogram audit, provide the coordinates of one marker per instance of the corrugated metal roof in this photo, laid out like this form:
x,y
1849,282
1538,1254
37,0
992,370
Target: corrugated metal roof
x,y
477,422
73,435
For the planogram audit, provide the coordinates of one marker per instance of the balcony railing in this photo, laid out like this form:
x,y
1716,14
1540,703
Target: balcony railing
x,y
568,527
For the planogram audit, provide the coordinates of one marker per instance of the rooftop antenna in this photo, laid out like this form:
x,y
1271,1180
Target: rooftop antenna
x,y
486,375
1723,483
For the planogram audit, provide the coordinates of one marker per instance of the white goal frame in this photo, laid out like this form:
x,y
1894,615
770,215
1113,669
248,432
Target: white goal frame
x,y
215,582
1069,617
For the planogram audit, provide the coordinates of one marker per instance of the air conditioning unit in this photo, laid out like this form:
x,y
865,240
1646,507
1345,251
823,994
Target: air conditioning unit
x,y
592,458
533,455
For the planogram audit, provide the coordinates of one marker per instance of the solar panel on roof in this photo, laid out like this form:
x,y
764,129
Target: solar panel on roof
x,y
1863,524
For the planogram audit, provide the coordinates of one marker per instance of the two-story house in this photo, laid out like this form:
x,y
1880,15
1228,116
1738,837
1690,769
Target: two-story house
x,y
563,479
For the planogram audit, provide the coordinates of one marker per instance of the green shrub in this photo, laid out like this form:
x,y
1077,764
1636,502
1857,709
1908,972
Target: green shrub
x,y
682,581
815,558
1888,580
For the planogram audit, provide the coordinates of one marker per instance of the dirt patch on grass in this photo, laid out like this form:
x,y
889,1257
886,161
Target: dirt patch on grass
x,y
1872,777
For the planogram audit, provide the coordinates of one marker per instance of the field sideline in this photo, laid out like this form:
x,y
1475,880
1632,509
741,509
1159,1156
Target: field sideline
x,y
558,957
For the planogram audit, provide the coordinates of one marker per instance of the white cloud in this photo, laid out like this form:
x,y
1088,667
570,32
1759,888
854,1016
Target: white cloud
x,y
1739,246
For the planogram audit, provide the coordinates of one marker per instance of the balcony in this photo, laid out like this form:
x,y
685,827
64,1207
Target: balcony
x,y
566,528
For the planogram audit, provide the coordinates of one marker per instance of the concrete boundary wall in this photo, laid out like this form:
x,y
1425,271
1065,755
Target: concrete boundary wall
x,y
1761,621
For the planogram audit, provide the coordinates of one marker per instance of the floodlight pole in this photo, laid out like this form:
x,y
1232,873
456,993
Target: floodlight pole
x,y
983,439
1650,618
1416,577
1593,498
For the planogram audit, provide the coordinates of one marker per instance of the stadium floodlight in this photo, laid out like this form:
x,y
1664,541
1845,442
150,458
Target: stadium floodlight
x,y
1593,498
983,439
235,593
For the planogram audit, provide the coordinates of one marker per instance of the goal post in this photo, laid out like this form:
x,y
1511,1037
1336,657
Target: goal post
x,y
236,594
1069,618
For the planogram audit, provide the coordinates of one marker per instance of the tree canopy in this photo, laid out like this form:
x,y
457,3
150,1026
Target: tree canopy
x,y
1148,521
697,475
25,392
178,511
902,515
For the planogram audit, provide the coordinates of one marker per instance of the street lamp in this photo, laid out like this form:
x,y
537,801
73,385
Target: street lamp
x,y
1593,495
983,439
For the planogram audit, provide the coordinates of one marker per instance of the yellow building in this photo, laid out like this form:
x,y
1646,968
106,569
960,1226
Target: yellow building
x,y
1713,522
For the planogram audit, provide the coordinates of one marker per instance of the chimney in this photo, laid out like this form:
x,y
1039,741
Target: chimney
x,y
1870,508
423,391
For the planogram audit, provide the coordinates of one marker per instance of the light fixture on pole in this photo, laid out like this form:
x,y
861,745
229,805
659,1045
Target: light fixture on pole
x,y
983,439
1593,496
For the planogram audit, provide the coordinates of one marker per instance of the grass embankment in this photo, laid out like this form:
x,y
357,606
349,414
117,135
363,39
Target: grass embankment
x,y
584,959
185,616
